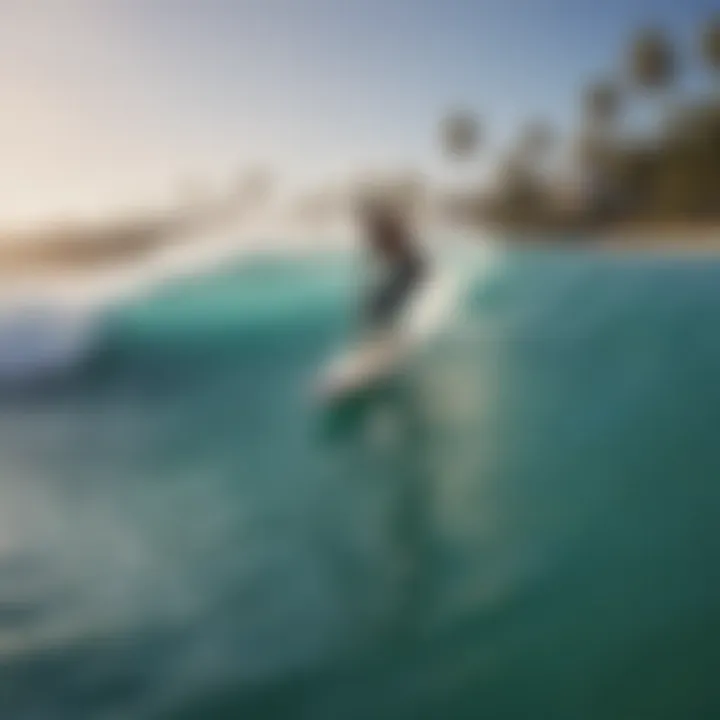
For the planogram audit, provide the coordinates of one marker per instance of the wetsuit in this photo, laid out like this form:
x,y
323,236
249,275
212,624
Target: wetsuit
x,y
391,296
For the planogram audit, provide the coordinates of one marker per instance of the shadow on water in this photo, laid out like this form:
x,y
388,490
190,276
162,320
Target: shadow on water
x,y
387,425
379,441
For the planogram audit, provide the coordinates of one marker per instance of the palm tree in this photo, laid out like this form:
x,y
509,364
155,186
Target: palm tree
x,y
460,134
518,195
652,59
601,105
711,46
459,139
595,145
592,163
536,140
652,66
525,170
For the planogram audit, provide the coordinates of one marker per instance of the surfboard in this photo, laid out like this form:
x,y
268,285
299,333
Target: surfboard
x,y
382,354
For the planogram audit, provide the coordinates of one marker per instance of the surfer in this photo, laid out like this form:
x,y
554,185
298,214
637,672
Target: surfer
x,y
393,246
383,347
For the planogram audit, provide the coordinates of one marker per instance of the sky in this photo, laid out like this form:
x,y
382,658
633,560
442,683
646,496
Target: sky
x,y
110,104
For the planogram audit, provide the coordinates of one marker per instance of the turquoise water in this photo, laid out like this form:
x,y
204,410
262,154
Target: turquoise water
x,y
523,525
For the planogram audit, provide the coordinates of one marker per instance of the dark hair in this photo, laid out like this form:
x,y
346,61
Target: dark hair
x,y
378,211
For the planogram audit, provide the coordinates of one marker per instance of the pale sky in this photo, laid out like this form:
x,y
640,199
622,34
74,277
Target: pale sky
x,y
110,103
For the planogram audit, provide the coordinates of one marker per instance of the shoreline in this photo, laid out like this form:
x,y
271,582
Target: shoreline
x,y
67,253
629,236
689,237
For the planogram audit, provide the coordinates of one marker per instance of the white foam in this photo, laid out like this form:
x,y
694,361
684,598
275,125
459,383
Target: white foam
x,y
49,321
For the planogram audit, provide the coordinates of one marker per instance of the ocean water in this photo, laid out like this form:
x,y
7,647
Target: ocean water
x,y
524,524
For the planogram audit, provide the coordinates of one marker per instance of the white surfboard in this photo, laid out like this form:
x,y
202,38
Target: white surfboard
x,y
382,354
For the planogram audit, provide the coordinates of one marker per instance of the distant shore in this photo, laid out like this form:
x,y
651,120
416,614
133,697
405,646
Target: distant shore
x,y
669,236
90,249
631,236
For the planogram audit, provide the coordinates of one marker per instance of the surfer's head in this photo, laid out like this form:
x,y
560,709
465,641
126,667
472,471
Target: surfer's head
x,y
380,217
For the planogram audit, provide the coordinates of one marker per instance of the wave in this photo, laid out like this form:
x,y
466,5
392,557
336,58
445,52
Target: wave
x,y
186,292
50,324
